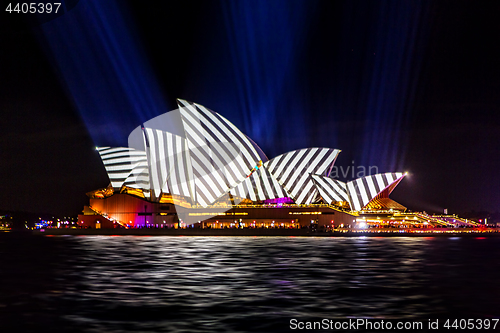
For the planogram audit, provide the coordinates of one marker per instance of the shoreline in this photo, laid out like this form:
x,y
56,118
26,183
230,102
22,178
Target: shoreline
x,y
254,233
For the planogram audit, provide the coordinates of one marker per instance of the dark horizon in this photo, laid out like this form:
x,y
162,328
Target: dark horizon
x,y
406,86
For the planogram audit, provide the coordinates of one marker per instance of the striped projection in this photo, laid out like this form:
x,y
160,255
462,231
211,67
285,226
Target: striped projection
x,y
331,190
363,190
170,163
293,169
221,156
204,127
313,196
213,177
125,166
213,158
260,185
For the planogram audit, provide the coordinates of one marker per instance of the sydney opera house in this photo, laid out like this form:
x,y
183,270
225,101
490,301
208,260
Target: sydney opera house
x,y
191,167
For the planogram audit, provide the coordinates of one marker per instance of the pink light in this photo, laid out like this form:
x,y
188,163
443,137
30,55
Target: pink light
x,y
284,200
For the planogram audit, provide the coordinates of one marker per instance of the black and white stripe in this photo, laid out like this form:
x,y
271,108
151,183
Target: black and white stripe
x,y
221,156
260,185
331,190
313,197
363,190
125,166
293,169
212,178
204,127
169,162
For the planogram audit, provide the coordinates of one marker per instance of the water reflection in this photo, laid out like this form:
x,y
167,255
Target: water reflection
x,y
250,284
216,280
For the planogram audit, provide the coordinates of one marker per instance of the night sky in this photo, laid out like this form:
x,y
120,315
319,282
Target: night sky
x,y
401,85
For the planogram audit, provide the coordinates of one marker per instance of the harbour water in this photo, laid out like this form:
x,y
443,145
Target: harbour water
x,y
240,284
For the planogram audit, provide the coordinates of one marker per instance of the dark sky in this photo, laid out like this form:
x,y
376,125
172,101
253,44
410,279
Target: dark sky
x,y
404,85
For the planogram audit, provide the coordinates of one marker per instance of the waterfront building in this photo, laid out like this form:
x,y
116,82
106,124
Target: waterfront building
x,y
204,172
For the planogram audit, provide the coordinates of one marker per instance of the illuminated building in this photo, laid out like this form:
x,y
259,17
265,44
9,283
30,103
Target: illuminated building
x,y
5,222
206,172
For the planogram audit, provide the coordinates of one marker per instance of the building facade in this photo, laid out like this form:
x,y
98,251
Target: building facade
x,y
204,172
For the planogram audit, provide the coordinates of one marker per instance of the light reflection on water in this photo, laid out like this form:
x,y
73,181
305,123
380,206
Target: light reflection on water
x,y
250,284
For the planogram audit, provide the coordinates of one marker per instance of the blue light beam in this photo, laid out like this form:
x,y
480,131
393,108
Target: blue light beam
x,y
266,39
103,69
